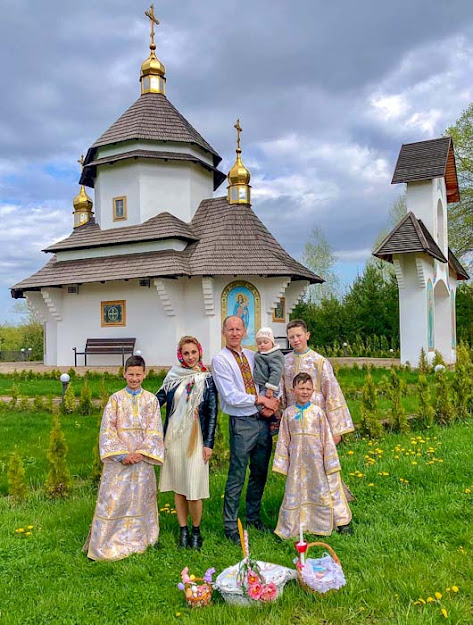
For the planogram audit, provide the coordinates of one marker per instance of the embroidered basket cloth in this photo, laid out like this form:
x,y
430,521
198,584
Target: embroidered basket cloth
x,y
320,575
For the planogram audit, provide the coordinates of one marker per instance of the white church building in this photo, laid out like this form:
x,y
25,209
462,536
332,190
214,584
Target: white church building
x,y
427,271
161,257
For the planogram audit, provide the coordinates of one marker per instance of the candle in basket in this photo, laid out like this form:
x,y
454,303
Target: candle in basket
x,y
301,546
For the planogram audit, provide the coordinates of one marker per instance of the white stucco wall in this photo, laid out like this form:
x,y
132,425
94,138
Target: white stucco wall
x,y
424,199
150,187
155,146
157,316
413,277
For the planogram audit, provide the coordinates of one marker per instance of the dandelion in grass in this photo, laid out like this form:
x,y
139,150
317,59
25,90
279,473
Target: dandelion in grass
x,y
27,533
430,600
350,452
467,491
455,588
438,595
30,527
444,612
20,530
371,484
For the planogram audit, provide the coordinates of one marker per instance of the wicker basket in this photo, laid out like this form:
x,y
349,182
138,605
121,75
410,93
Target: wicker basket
x,y
201,597
335,558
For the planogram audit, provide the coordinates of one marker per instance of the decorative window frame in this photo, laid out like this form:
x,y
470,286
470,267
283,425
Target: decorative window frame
x,y
125,212
111,324
280,318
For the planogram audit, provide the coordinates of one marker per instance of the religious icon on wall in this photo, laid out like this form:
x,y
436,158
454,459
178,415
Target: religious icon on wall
x,y
430,317
279,314
242,299
113,313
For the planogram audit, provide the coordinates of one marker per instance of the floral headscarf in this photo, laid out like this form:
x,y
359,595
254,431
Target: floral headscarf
x,y
200,364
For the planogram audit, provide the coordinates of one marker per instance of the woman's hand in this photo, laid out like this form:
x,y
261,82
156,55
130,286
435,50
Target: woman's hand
x,y
207,454
337,439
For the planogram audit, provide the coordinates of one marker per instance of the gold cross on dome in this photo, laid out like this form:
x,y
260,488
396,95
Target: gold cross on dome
x,y
238,129
153,20
81,161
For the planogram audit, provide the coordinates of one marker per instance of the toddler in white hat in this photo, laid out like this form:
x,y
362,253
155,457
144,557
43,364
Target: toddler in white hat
x,y
269,364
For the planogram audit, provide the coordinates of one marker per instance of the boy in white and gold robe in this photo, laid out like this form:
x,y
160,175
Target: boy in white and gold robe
x,y
131,443
306,453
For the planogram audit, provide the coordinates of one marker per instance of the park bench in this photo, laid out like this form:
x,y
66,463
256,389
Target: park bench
x,y
106,346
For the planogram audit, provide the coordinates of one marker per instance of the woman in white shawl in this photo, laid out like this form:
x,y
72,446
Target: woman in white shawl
x,y
190,396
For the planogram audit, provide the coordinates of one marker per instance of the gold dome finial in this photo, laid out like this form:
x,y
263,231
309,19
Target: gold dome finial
x,y
239,190
82,203
152,70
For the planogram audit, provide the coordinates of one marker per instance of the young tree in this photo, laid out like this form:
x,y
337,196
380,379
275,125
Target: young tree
x,y
460,214
398,418
17,488
370,423
85,402
444,413
320,257
425,412
58,480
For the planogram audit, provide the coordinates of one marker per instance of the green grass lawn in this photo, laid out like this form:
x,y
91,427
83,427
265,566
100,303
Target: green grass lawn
x,y
413,538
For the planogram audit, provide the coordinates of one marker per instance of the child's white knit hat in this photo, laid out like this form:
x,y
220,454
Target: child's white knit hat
x,y
265,333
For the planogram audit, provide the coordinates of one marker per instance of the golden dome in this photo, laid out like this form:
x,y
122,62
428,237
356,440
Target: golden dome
x,y
152,66
239,190
238,174
82,202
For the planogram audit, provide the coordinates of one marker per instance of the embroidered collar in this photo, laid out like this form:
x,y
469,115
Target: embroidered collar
x,y
133,393
302,353
300,411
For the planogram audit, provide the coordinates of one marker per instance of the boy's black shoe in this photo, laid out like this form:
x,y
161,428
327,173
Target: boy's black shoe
x,y
345,529
183,538
259,525
195,541
234,537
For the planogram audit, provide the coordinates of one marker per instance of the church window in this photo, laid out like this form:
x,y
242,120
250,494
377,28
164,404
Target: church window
x,y
119,208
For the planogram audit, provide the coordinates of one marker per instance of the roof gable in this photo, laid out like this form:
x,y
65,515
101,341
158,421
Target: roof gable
x,y
409,236
425,160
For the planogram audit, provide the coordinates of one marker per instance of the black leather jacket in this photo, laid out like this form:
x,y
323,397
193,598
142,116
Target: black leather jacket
x,y
208,410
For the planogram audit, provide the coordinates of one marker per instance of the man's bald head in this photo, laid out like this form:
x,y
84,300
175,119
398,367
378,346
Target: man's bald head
x,y
234,331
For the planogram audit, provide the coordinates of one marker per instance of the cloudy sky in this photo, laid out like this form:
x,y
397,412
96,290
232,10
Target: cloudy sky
x,y
326,92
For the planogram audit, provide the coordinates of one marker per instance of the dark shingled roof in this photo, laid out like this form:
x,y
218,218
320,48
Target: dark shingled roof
x,y
91,172
410,235
456,266
162,226
151,118
129,266
231,241
425,160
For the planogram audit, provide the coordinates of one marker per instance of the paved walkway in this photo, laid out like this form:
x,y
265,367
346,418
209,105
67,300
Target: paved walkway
x,y
10,367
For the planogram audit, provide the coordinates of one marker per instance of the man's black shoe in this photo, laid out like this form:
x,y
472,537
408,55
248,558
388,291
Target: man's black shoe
x,y
259,525
345,529
234,537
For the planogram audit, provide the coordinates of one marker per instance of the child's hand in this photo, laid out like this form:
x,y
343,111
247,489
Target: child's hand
x,y
269,393
337,439
207,454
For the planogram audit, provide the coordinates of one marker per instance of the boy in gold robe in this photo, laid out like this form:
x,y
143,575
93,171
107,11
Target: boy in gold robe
x,y
131,443
314,498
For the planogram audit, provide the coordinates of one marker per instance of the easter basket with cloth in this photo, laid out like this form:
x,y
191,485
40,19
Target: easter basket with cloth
x,y
252,582
320,575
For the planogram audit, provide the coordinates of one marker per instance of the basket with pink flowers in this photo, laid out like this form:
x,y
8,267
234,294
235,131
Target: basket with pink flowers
x,y
252,582
197,590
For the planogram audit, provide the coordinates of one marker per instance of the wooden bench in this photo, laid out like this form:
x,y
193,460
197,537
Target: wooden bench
x,y
106,346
